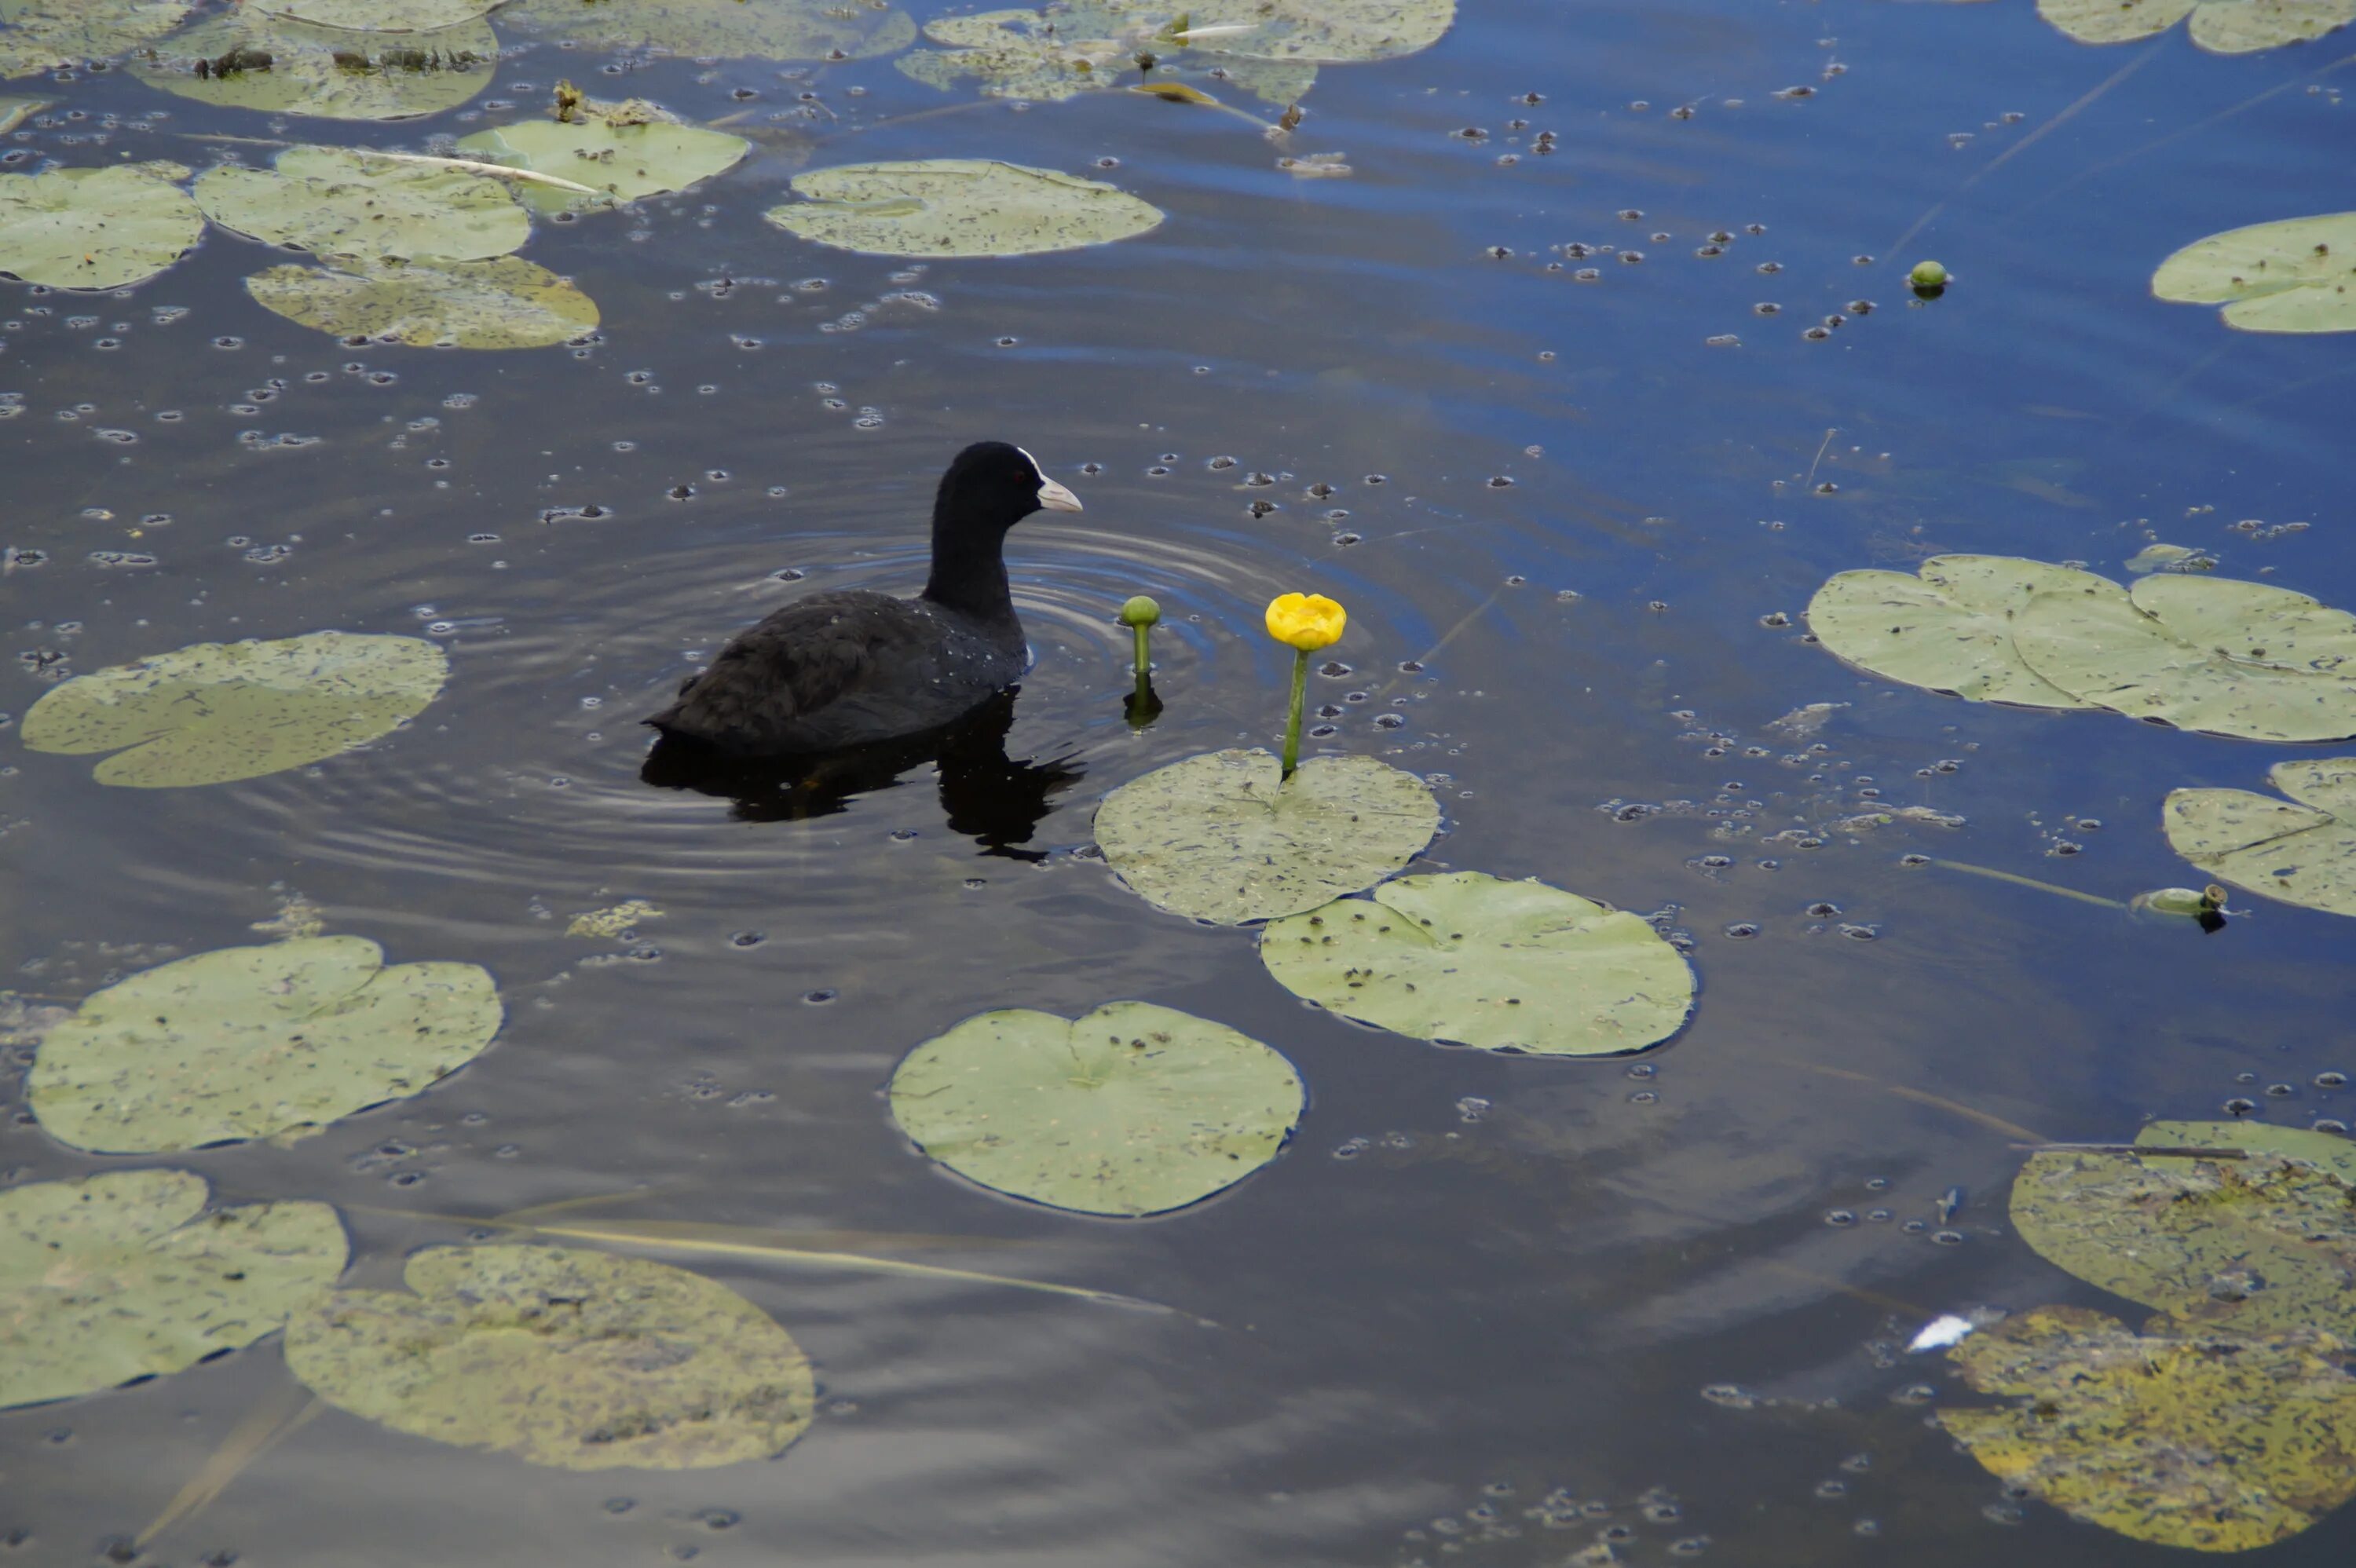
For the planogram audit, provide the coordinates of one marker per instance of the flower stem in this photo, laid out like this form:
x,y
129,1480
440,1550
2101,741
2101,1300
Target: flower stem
x,y
1292,722
1144,654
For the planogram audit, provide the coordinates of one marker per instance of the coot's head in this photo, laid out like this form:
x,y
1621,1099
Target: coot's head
x,y
992,486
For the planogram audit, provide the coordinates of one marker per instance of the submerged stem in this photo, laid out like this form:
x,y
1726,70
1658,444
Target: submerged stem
x,y
2018,880
1292,721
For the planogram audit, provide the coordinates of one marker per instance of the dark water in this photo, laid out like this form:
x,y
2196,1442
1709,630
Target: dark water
x,y
1529,1271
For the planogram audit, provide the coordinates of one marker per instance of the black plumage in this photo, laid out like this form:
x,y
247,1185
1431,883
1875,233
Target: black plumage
x,y
851,668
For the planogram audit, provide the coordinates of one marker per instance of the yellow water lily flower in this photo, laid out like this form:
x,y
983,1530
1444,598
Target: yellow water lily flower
x,y
1305,620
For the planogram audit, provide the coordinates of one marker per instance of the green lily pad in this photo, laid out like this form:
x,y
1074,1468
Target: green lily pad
x,y
253,1042
724,29
1470,959
2260,1244
2301,850
41,35
504,303
1948,628
1329,31
1065,50
572,1359
212,713
2202,653
379,15
1225,838
333,202
958,207
2294,275
2221,27
123,1275
2175,1438
96,229
378,76
1131,1109
627,162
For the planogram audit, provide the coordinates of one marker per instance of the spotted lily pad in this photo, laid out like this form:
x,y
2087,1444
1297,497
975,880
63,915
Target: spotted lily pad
x,y
333,202
2262,1244
724,29
504,303
1131,1109
212,713
1948,627
2221,27
96,229
1470,959
2294,275
572,1359
334,73
379,15
2200,653
40,35
1068,50
1328,31
2301,850
253,1042
2171,1436
123,1274
958,207
1225,838
626,160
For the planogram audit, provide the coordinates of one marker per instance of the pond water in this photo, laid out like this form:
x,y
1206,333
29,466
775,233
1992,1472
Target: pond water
x,y
1485,1308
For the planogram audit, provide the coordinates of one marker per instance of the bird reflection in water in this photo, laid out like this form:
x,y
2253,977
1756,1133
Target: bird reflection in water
x,y
989,796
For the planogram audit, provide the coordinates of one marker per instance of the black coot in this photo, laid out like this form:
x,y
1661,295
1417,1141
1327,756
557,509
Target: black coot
x,y
851,668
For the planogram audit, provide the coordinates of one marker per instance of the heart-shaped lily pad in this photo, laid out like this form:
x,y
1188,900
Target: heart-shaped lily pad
x,y
123,1276
2200,653
255,1043
2294,275
958,207
1131,1109
2301,850
572,1359
2221,27
2259,1243
332,72
379,15
96,229
724,29
40,35
1225,838
212,713
2176,1437
504,303
1948,628
333,202
626,161
1470,959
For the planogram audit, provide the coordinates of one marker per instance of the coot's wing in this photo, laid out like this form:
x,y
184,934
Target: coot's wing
x,y
765,687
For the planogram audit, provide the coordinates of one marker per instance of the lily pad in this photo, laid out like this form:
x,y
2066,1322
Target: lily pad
x,y
627,162
1064,51
2176,1438
572,1359
1328,31
334,73
724,29
2301,850
2212,654
254,1042
1225,838
333,202
379,15
212,713
2262,1243
1948,628
2294,275
40,35
2221,27
96,229
1131,1109
504,303
1470,959
958,207
123,1274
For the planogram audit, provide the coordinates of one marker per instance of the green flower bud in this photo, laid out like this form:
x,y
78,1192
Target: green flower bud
x,y
1142,611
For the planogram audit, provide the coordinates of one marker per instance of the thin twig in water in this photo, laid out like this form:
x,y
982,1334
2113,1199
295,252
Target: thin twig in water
x,y
464,166
2016,879
1822,447
282,1410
